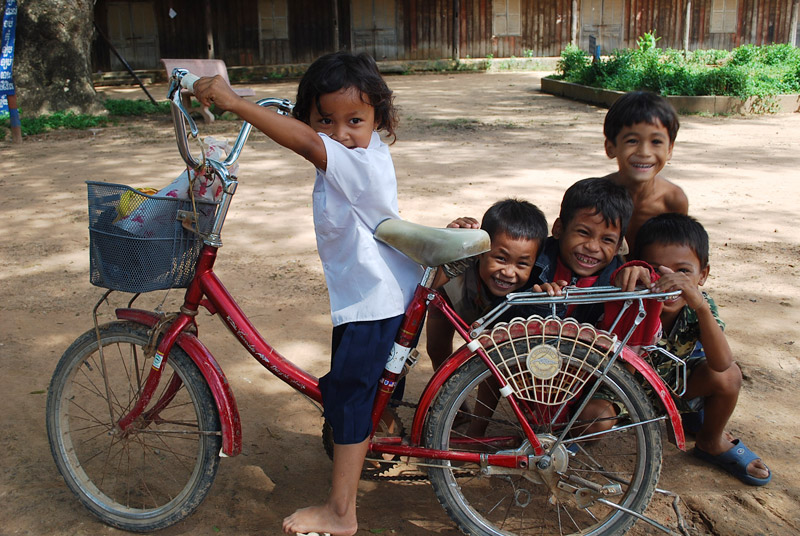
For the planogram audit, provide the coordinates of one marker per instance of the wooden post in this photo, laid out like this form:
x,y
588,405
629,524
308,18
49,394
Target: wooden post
x,y
336,44
209,30
456,30
687,24
794,22
573,28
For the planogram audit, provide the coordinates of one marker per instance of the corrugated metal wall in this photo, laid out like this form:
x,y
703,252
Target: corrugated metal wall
x,y
759,22
437,29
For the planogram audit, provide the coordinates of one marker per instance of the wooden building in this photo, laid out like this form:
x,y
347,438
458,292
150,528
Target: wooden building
x,y
268,32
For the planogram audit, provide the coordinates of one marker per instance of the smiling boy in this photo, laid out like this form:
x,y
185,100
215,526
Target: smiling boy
x,y
640,130
582,250
517,230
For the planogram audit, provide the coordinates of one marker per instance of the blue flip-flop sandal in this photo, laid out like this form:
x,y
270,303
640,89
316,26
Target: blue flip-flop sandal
x,y
735,461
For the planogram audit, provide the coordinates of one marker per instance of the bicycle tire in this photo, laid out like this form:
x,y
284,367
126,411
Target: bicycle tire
x,y
161,470
518,502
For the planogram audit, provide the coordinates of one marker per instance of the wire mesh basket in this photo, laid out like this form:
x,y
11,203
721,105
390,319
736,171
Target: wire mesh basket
x,y
138,242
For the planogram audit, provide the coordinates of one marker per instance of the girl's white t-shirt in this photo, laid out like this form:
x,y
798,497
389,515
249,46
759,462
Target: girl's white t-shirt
x,y
367,280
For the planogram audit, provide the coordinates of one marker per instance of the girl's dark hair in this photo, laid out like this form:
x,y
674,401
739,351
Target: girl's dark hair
x,y
342,70
640,107
604,197
518,219
673,229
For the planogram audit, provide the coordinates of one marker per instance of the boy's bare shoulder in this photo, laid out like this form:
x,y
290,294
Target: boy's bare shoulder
x,y
673,197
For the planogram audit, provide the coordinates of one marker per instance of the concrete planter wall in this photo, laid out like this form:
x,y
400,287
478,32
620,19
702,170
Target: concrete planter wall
x,y
684,105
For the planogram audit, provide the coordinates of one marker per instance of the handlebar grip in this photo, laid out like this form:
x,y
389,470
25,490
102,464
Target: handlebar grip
x,y
188,80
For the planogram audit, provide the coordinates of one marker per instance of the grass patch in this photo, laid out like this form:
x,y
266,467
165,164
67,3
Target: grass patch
x,y
747,71
116,108
58,120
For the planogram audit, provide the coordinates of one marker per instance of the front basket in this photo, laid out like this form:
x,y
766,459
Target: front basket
x,y
137,243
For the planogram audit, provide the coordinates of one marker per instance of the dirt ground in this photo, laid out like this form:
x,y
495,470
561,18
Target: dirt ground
x,y
465,141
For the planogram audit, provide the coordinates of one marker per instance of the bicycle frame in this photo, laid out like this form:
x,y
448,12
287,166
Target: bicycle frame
x,y
207,291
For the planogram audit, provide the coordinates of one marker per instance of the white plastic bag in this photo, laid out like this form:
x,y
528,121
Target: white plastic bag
x,y
153,219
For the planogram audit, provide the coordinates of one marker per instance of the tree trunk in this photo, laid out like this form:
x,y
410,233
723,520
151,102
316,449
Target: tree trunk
x,y
52,57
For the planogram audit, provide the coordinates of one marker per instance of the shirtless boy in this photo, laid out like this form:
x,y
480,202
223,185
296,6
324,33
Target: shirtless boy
x,y
640,130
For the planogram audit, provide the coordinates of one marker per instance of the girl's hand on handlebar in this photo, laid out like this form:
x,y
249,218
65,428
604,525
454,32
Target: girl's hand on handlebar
x,y
215,91
464,223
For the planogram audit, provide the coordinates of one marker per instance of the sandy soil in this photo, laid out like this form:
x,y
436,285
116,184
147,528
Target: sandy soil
x,y
465,141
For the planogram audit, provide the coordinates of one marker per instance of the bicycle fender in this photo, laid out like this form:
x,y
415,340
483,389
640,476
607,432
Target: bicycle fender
x,y
458,358
211,371
676,434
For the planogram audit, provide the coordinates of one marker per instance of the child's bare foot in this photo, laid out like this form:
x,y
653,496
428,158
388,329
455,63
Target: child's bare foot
x,y
321,519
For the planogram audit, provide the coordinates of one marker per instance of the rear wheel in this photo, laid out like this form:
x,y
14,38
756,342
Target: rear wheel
x,y
620,466
159,470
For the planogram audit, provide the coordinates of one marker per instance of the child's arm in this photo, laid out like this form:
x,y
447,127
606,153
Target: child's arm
x,y
675,199
287,131
718,352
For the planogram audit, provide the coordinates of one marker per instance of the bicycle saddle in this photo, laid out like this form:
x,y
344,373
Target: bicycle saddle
x,y
432,246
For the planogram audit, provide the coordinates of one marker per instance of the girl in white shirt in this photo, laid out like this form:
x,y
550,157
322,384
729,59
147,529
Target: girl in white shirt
x,y
342,101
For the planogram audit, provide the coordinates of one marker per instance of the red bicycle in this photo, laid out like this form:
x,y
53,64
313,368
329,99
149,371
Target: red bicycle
x,y
139,411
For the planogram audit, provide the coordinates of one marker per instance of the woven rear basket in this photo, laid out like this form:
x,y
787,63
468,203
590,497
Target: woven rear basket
x,y
546,360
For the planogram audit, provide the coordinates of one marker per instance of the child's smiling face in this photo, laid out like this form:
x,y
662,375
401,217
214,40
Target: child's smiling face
x,y
507,266
642,150
345,116
587,244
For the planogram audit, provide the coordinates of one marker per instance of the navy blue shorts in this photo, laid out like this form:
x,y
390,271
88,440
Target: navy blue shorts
x,y
360,351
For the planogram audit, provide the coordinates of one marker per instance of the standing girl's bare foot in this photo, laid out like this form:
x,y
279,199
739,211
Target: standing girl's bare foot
x,y
321,519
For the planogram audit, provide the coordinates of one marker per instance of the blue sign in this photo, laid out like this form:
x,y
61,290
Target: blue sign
x,y
7,55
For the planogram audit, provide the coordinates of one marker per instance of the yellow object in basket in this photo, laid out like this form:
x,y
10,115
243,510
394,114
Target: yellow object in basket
x,y
130,200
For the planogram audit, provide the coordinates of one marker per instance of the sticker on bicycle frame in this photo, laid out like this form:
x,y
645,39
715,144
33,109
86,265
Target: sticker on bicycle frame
x,y
544,362
159,357
388,383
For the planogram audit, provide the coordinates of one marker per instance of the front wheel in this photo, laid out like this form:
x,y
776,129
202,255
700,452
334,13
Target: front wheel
x,y
620,465
159,470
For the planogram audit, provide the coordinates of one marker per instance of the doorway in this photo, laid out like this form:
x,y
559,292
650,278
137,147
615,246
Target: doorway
x,y
374,28
133,31
602,19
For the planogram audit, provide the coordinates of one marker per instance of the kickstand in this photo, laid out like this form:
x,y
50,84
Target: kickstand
x,y
676,499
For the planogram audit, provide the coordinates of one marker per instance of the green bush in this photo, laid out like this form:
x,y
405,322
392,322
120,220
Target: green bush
x,y
136,107
573,60
746,71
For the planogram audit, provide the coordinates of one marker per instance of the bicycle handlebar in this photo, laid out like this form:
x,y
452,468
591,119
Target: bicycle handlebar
x,y
183,80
